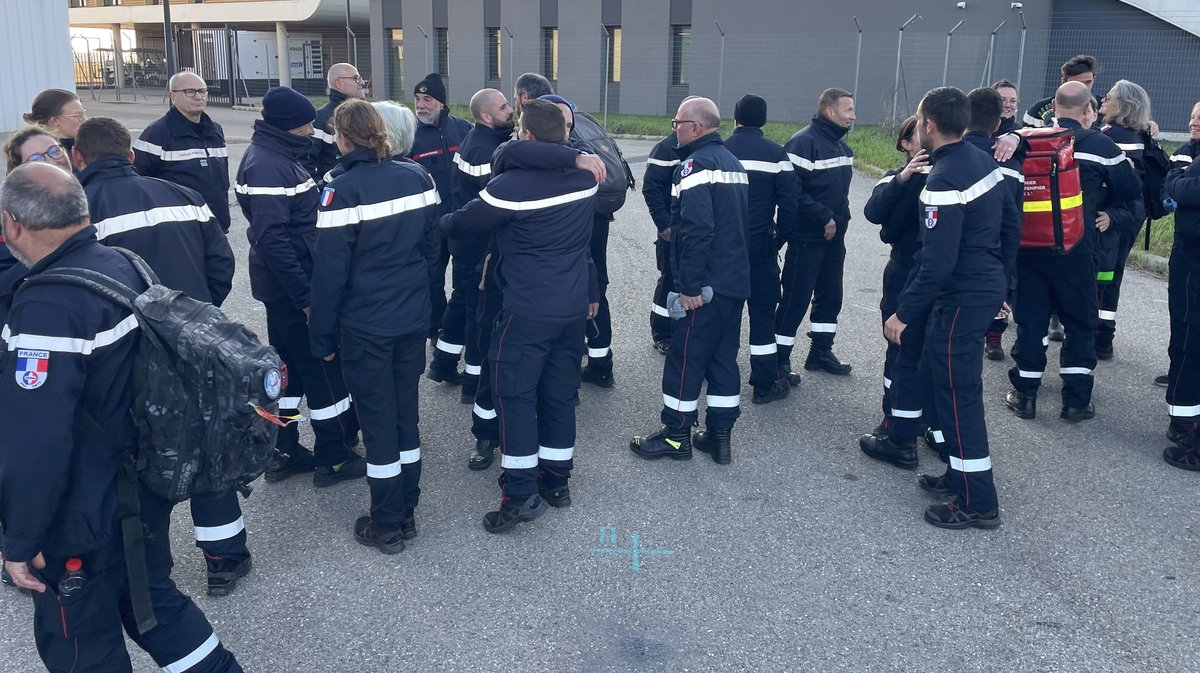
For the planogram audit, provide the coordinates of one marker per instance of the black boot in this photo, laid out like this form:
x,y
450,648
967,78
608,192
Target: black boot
x,y
485,453
1076,414
823,359
513,512
223,574
715,442
1023,404
675,444
992,345
1104,346
369,534
903,456
935,486
776,391
444,370
783,360
598,375
470,383
1056,331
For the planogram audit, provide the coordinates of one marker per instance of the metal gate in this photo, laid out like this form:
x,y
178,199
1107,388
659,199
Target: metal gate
x,y
211,53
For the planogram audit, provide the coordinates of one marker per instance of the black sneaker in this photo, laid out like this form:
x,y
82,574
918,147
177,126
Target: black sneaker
x,y
282,465
1074,415
444,370
664,443
1056,331
823,359
663,346
351,468
512,513
590,375
777,391
716,443
1183,434
1162,381
950,515
386,541
1023,404
935,486
485,452
408,527
223,574
1183,458
903,456
556,497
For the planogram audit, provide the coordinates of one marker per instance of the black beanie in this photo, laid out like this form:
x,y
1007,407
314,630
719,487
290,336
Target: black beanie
x,y
750,110
432,86
285,108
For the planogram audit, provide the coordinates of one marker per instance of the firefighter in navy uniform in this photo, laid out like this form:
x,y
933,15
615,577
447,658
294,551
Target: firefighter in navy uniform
x,y
72,352
1183,297
894,206
473,163
772,187
1082,69
439,136
656,191
1126,110
371,307
173,229
542,221
709,212
813,269
956,286
1066,284
344,84
279,199
187,147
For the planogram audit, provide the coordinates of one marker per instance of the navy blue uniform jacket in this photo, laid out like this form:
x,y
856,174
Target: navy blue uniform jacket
x,y
1105,174
962,208
1128,215
376,240
1014,209
710,208
824,167
542,221
279,199
65,346
322,153
1183,185
656,182
167,225
772,189
895,207
192,155
473,170
434,148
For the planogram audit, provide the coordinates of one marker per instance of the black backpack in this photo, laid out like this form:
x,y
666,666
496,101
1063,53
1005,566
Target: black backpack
x,y
1157,165
589,135
206,389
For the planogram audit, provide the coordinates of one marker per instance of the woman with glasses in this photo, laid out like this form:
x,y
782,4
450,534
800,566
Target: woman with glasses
x,y
60,112
33,143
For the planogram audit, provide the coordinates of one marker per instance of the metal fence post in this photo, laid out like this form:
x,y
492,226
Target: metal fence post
x,y
899,47
946,63
987,65
857,55
427,66
607,68
721,68
511,73
1021,56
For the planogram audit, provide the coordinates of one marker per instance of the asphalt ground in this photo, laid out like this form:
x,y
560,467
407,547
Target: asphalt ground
x,y
803,555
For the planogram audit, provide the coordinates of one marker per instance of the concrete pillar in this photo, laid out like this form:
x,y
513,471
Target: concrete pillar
x,y
118,59
282,54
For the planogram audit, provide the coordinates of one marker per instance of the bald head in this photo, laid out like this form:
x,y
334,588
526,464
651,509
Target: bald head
x,y
343,78
482,100
43,206
1073,100
702,110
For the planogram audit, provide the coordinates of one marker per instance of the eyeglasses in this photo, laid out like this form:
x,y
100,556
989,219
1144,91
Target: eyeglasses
x,y
79,116
52,153
676,122
191,93
356,78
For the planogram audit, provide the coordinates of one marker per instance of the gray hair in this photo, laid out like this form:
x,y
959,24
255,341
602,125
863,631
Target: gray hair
x,y
41,200
400,123
174,81
533,84
1133,106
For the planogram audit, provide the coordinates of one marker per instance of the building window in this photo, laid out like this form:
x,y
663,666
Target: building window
x,y
441,42
681,49
77,3
491,51
550,53
614,54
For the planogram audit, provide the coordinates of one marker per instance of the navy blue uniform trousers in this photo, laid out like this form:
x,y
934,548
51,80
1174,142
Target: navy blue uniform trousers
x,y
953,358
704,347
599,332
1110,288
909,399
1066,285
535,374
1183,303
660,319
483,414
762,305
382,373
812,272
894,278
219,526
83,632
329,407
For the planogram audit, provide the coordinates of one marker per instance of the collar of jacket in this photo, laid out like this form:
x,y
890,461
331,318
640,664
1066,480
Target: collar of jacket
x,y
111,166
279,140
499,134
826,127
442,118
337,97
183,126
1068,123
361,155
748,131
687,150
948,148
979,139
81,238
